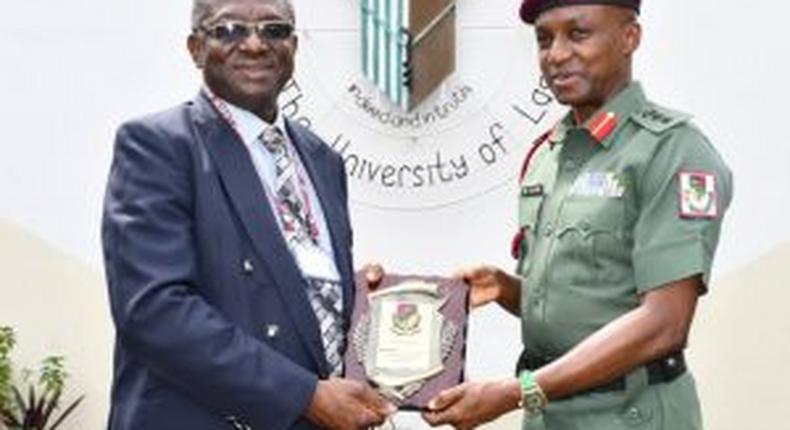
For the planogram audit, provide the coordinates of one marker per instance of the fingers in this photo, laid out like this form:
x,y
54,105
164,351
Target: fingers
x,y
446,398
344,404
376,403
447,408
472,273
439,418
461,274
369,418
375,410
374,273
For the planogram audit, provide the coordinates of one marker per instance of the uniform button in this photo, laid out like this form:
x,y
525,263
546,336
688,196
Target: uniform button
x,y
634,414
585,225
570,165
248,267
236,423
272,330
549,230
537,296
671,362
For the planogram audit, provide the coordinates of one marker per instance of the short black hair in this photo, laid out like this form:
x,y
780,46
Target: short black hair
x,y
201,9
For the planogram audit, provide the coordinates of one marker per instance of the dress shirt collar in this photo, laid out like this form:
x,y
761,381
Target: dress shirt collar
x,y
248,125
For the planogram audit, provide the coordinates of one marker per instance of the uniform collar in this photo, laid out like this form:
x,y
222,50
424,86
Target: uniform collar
x,y
605,122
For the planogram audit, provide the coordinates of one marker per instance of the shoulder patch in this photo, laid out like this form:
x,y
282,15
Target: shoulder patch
x,y
697,195
659,119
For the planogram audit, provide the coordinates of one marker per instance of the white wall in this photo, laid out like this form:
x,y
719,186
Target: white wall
x,y
71,71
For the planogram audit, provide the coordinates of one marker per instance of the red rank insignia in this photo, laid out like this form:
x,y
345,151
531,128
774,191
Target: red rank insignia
x,y
602,125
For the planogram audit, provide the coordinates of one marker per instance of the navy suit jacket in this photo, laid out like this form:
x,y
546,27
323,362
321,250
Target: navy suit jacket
x,y
213,325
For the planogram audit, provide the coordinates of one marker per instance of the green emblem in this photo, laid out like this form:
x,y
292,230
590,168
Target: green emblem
x,y
406,319
698,195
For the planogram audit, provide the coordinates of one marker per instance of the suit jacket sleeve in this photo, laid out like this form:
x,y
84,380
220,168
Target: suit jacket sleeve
x,y
160,315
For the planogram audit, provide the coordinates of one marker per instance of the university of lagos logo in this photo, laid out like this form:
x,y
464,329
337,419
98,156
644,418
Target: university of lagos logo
x,y
408,47
431,103
406,319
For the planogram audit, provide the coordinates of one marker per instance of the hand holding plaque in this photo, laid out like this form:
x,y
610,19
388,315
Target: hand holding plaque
x,y
408,337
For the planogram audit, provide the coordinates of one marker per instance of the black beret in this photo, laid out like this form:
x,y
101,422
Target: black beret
x,y
531,9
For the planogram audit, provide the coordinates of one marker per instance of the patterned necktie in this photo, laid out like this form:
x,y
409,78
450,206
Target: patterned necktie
x,y
300,230
297,220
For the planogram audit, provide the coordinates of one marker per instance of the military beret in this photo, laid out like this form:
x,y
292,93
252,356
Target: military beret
x,y
531,9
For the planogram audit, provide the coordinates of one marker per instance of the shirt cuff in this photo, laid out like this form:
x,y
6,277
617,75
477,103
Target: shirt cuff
x,y
672,261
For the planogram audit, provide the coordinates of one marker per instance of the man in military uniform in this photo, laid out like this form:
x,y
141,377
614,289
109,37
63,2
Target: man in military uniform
x,y
620,209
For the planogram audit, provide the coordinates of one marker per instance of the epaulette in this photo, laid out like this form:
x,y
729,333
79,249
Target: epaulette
x,y
659,119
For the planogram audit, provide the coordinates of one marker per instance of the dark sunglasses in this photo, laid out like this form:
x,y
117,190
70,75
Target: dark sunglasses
x,y
237,31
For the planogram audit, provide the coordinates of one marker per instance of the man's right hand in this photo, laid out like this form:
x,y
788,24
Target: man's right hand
x,y
343,404
490,284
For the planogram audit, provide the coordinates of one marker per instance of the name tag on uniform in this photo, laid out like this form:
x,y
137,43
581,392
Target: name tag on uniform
x,y
599,184
535,190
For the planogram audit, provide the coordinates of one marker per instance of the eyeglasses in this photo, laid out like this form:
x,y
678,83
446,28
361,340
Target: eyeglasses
x,y
236,31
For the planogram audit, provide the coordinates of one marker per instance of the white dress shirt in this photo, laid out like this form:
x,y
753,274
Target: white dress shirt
x,y
314,261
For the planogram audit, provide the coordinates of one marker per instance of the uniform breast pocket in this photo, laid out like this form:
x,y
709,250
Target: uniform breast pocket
x,y
591,245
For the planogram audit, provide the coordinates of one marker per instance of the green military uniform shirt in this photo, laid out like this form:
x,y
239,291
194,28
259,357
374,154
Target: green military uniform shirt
x,y
627,203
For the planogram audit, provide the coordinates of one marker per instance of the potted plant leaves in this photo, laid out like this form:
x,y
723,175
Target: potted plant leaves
x,y
32,400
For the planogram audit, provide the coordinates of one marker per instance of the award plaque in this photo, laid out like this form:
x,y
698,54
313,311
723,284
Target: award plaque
x,y
408,337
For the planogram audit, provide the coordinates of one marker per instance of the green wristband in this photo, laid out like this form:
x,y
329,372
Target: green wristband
x,y
533,400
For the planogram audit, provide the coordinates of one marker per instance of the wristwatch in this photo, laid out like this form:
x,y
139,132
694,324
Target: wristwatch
x,y
533,400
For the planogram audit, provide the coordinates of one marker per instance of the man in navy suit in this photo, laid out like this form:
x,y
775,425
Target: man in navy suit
x,y
228,248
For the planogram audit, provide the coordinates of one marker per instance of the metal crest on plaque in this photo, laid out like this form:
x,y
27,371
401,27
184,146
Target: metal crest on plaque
x,y
402,339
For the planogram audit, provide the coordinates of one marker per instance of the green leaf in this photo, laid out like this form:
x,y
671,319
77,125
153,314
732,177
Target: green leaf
x,y
7,340
5,383
53,373
52,404
31,398
20,401
9,418
37,412
67,412
30,411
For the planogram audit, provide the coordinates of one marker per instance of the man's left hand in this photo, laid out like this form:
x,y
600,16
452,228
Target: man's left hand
x,y
374,274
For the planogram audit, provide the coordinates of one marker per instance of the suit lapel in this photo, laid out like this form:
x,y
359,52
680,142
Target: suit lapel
x,y
316,160
248,198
